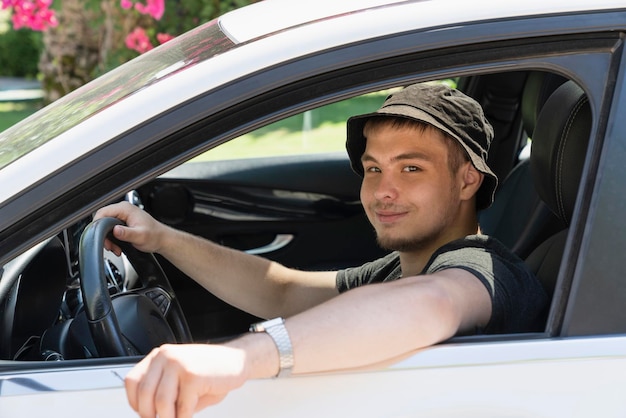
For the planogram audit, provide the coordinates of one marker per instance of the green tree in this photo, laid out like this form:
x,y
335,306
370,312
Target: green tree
x,y
19,53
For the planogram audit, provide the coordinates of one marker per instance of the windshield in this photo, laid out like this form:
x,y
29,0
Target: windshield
x,y
187,50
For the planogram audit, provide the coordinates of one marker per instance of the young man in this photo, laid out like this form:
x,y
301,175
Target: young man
x,y
423,157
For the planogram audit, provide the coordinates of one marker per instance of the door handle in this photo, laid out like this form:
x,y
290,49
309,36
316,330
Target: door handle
x,y
280,241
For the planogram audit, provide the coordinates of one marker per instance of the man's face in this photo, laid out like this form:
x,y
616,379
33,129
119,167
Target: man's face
x,y
409,193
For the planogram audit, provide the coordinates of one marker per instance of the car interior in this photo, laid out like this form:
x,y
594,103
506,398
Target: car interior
x,y
302,211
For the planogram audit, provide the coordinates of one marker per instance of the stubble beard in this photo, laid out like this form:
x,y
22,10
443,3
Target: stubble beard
x,y
416,241
410,244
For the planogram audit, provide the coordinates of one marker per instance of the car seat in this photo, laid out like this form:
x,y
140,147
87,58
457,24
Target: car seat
x,y
518,217
557,158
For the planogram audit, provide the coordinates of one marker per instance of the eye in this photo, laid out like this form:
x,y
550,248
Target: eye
x,y
411,168
372,169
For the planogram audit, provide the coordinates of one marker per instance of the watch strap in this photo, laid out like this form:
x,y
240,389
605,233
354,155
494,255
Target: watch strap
x,y
276,329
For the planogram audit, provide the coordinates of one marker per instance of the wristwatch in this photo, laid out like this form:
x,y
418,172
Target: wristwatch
x,y
275,328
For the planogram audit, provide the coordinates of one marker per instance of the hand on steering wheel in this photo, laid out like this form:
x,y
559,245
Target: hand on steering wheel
x,y
103,323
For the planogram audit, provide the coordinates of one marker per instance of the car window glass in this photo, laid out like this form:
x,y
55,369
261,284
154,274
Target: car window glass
x,y
318,130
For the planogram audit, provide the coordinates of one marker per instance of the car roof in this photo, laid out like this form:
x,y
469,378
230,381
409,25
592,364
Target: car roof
x,y
245,24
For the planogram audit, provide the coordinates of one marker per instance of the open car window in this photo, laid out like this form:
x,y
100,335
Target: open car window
x,y
286,192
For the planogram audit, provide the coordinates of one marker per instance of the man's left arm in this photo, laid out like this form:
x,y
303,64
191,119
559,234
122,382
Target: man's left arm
x,y
366,326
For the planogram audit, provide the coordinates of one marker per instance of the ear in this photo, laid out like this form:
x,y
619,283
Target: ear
x,y
470,179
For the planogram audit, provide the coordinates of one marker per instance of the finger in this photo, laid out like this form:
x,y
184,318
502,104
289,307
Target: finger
x,y
146,390
147,384
194,394
135,235
166,395
133,379
108,245
118,232
116,210
187,401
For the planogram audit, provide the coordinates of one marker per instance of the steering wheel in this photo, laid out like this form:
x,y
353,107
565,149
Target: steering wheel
x,y
155,302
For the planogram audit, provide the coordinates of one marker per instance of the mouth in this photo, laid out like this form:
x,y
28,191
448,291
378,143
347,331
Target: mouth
x,y
388,217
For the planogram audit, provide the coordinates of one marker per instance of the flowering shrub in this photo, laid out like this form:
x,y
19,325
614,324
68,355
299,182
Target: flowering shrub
x,y
138,40
154,8
78,40
35,15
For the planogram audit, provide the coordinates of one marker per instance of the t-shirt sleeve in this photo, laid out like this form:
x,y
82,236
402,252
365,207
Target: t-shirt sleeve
x,y
377,271
516,294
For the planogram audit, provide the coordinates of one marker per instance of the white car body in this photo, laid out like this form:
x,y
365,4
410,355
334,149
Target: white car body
x,y
543,376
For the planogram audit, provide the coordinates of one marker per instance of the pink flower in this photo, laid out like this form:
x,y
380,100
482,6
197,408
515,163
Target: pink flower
x,y
164,37
35,15
138,41
154,8
24,6
126,4
19,21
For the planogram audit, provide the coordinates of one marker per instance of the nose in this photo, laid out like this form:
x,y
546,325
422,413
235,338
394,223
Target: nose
x,y
385,187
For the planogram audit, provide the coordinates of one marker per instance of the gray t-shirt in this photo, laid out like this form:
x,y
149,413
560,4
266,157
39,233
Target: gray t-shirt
x,y
519,302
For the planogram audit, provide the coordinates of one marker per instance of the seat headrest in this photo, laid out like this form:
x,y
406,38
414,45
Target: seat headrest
x,y
538,87
559,147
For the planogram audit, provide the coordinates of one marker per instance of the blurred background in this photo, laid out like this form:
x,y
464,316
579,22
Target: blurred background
x,y
51,47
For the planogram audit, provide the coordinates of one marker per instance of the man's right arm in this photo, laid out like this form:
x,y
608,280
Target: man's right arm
x,y
261,287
